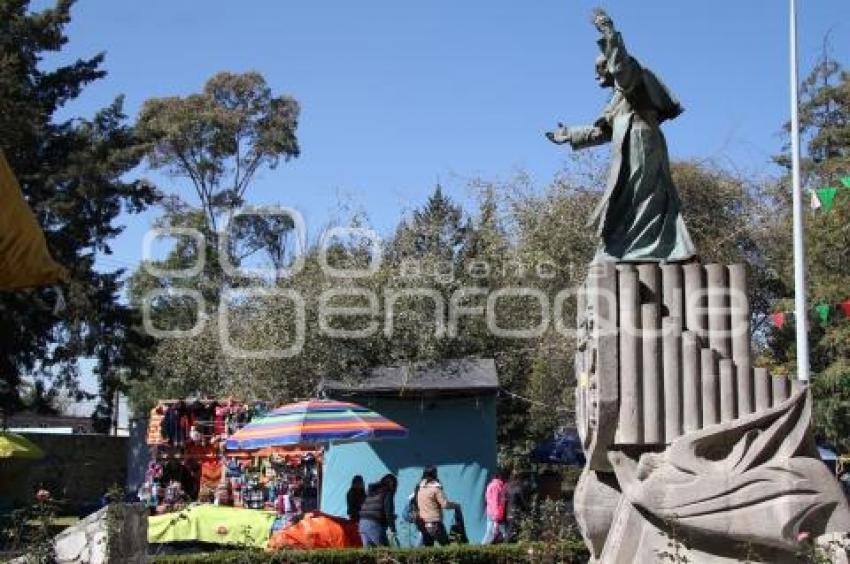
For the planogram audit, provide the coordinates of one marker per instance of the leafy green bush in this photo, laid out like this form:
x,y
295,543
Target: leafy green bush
x,y
537,553
30,530
550,522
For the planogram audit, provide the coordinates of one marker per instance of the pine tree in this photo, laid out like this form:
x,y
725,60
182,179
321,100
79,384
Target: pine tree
x,y
72,173
435,231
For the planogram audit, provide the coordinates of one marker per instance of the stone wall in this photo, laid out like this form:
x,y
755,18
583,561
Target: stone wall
x,y
77,470
115,534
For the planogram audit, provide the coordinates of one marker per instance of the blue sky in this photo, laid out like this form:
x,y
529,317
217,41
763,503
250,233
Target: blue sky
x,y
397,95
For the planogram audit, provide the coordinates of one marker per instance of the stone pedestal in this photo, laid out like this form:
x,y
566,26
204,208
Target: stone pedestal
x,y
692,453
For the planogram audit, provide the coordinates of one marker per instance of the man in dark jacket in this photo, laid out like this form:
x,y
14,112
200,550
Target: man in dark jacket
x,y
377,514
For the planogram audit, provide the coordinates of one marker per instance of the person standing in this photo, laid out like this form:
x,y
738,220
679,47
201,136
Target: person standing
x,y
516,504
285,505
377,514
495,498
355,497
431,501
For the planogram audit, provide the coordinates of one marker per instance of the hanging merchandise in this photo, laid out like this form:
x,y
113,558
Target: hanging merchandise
x,y
815,201
187,439
778,319
253,496
846,181
190,463
282,479
220,413
154,471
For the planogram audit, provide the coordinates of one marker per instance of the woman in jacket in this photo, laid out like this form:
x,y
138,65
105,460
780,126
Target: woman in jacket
x,y
377,514
355,497
431,501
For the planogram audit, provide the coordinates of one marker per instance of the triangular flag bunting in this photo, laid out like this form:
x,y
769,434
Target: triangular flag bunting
x,y
823,311
827,197
845,308
846,181
815,201
778,319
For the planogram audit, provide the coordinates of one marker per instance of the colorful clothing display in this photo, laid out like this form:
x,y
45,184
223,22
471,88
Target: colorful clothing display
x,y
191,463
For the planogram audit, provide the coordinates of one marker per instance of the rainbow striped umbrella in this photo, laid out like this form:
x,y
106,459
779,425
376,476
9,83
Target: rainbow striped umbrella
x,y
315,422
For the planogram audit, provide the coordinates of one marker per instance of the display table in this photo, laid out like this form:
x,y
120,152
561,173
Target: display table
x,y
213,524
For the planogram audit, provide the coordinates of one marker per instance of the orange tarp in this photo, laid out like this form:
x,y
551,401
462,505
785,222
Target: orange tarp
x,y
24,259
317,530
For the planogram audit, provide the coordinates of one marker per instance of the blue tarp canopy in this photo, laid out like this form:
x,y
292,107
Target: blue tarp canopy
x,y
563,448
827,454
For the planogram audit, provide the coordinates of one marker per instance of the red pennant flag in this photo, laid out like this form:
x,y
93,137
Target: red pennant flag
x,y
845,308
778,319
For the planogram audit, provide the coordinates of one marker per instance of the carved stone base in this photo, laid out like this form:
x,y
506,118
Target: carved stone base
x,y
634,538
745,490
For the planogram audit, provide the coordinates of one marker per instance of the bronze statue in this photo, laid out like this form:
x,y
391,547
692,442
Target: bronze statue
x,y
690,451
639,217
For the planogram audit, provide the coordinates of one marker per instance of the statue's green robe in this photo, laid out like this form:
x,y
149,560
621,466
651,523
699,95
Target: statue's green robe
x,y
639,217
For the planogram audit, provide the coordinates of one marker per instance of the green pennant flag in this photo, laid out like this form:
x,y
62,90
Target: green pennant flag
x,y
826,197
823,311
846,181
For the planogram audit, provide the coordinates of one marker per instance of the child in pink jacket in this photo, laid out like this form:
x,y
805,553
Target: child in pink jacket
x,y
495,497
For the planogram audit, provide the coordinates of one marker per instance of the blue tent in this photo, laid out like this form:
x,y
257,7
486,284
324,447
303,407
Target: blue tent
x,y
827,454
449,410
563,448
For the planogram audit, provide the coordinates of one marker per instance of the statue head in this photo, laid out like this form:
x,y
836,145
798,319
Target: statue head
x,y
603,77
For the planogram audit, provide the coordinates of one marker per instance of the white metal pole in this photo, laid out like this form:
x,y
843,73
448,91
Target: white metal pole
x,y
802,319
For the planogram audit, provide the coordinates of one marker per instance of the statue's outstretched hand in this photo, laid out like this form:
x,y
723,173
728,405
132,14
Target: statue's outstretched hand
x,y
560,135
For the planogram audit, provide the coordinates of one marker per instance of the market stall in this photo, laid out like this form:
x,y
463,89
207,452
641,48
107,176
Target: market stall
x,y
286,479
240,459
189,462
186,439
312,422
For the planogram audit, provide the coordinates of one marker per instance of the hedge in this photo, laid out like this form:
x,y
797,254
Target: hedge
x,y
533,553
